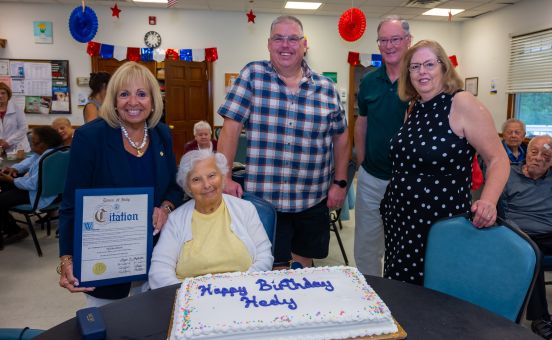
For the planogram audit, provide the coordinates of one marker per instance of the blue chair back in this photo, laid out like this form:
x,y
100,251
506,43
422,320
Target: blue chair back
x,y
53,171
267,214
494,267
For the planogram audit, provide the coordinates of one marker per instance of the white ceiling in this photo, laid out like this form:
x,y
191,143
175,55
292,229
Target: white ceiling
x,y
408,9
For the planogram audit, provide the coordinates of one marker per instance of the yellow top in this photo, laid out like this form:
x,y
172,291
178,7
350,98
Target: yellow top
x,y
214,248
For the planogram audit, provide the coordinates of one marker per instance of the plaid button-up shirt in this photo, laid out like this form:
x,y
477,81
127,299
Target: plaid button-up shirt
x,y
289,135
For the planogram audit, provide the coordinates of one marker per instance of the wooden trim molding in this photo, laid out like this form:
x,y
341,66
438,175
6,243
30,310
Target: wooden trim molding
x,y
511,106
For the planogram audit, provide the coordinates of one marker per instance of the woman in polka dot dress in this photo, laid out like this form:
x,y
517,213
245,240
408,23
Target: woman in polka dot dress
x,y
432,155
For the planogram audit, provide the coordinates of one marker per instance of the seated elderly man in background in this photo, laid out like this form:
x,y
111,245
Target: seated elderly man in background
x,y
19,183
527,203
63,126
213,232
513,134
203,138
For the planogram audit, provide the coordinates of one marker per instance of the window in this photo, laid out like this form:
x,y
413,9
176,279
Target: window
x,y
530,80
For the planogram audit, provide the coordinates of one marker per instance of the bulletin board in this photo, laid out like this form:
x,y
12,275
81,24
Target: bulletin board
x,y
38,86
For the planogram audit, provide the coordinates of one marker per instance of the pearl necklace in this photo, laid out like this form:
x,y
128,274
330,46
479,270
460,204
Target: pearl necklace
x,y
138,148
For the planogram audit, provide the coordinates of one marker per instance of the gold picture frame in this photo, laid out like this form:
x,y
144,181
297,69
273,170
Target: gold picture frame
x,y
471,85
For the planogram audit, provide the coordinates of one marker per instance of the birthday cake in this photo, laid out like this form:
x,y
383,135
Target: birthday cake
x,y
313,303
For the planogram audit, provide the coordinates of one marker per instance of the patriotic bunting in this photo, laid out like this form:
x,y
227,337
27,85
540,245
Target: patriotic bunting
x,y
186,54
106,51
365,59
133,53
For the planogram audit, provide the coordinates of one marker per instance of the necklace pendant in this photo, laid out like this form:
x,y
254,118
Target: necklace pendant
x,y
139,153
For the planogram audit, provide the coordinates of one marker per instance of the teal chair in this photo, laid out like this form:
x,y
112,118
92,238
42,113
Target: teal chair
x,y
494,267
19,333
52,171
267,214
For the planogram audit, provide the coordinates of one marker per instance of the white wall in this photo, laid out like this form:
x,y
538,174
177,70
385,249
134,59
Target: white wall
x,y
486,45
237,41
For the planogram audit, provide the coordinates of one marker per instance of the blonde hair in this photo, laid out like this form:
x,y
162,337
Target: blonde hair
x,y
131,72
451,79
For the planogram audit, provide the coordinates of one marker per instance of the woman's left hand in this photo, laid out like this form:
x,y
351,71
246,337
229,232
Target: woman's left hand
x,y
160,216
484,213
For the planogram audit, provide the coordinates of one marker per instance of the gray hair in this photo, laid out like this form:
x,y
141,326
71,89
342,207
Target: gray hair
x,y
283,18
404,24
547,138
202,125
513,120
188,162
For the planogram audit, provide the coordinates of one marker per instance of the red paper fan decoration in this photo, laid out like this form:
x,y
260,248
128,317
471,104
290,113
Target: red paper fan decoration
x,y
352,24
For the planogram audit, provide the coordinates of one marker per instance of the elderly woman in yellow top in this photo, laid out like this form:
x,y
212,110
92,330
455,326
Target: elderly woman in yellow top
x,y
213,232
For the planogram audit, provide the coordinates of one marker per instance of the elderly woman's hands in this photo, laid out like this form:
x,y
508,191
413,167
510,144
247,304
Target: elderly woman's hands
x,y
66,279
484,213
160,216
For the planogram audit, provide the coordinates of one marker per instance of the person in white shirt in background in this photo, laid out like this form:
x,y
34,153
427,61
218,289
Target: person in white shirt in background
x,y
13,126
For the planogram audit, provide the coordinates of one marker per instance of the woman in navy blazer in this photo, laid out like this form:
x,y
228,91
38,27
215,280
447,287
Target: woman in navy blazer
x,y
126,147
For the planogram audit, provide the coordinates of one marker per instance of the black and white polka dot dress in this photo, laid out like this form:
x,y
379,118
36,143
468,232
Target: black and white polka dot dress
x,y
431,178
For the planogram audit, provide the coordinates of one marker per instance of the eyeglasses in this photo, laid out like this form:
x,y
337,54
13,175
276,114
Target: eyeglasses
x,y
291,39
395,41
428,65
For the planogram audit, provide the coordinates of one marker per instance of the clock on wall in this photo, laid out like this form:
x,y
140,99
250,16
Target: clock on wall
x,y
152,39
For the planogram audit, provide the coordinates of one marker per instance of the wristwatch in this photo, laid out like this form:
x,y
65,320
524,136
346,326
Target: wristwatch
x,y
342,183
167,207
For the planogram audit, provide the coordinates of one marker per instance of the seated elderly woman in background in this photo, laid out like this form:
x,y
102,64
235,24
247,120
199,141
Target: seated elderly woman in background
x,y
213,232
513,134
63,126
203,138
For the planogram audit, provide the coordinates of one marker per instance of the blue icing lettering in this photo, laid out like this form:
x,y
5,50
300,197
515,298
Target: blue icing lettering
x,y
222,291
290,284
275,301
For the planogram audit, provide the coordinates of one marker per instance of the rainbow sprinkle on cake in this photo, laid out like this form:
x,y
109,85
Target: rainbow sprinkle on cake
x,y
318,303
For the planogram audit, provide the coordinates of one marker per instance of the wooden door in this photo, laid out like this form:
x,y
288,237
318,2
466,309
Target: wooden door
x,y
188,99
356,73
110,65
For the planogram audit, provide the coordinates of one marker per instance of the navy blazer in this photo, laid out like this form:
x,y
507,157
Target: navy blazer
x,y
98,160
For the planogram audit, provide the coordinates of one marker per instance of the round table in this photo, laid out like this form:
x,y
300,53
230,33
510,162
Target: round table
x,y
423,313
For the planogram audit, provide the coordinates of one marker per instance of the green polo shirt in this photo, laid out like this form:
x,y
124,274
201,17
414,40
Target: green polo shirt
x,y
379,102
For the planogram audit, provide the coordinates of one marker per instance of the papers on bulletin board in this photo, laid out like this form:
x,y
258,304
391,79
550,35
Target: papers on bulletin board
x,y
4,67
17,69
36,71
43,85
6,80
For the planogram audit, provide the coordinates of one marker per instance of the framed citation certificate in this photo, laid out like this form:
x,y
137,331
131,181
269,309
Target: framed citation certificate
x,y
113,235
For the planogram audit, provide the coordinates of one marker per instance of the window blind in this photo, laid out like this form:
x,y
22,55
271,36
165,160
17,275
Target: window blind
x,y
530,68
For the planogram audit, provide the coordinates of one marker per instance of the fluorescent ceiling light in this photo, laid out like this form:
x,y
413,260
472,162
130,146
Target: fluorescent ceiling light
x,y
443,12
303,5
152,1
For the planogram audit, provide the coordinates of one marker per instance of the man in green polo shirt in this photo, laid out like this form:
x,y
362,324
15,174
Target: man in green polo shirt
x,y
381,114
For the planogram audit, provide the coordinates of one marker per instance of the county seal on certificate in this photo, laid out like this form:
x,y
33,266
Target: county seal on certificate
x,y
113,235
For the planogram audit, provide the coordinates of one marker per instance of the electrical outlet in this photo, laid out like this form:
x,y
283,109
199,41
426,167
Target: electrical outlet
x,y
83,81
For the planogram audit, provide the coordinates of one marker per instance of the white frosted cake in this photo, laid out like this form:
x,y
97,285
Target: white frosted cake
x,y
313,303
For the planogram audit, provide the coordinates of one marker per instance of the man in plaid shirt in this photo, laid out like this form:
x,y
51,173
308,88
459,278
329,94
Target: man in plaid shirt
x,y
296,135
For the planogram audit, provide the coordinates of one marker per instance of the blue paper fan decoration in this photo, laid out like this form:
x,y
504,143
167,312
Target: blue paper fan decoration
x,y
83,25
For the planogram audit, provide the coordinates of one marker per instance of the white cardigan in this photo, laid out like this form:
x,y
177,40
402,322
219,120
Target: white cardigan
x,y
13,129
245,223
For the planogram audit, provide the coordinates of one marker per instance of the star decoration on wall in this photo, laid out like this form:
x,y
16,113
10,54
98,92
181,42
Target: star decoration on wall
x,y
250,16
115,11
